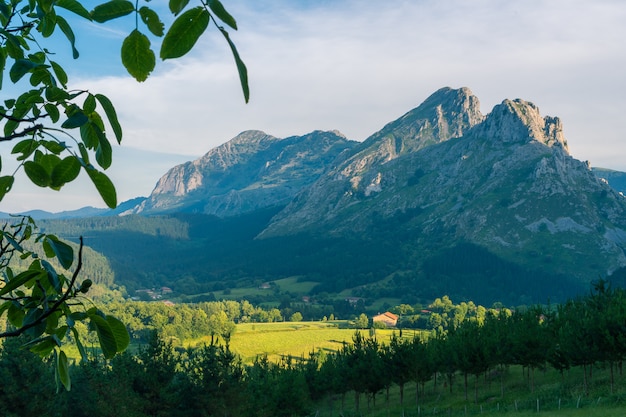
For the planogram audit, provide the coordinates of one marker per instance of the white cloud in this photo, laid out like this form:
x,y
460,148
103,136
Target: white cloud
x,y
355,66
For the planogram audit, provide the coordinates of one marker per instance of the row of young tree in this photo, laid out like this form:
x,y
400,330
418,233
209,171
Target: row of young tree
x,y
160,380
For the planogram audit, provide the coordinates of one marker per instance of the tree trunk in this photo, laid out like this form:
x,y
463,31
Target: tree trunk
x,y
465,380
585,377
476,389
612,377
417,393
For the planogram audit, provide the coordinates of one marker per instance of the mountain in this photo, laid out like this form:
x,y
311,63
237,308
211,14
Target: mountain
x,y
250,172
121,209
443,177
443,200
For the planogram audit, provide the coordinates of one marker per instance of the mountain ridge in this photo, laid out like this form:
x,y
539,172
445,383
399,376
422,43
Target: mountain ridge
x,y
443,200
252,171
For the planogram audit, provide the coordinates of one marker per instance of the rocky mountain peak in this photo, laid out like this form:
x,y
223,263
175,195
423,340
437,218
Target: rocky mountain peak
x,y
520,121
251,171
446,114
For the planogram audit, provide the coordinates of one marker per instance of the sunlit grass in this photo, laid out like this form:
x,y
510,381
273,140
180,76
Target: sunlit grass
x,y
295,339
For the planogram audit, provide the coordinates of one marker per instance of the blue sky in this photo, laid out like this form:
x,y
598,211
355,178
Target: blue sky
x,y
353,65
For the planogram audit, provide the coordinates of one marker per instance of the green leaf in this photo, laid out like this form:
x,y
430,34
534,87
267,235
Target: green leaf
x,y
56,94
77,119
75,7
16,314
152,21
122,338
112,10
63,370
218,8
104,153
79,345
89,106
5,12
52,321
241,67
53,112
105,334
61,250
90,134
47,24
13,243
177,6
4,307
37,173
13,46
45,5
109,110
20,68
65,171
34,316
26,148
184,33
104,186
137,56
6,182
54,146
21,279
3,63
47,161
59,72
41,75
42,346
84,155
69,34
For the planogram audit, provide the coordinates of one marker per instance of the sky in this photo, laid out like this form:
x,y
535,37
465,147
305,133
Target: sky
x,y
352,66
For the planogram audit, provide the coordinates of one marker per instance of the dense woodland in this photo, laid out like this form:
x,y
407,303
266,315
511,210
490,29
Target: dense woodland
x,y
160,380
198,254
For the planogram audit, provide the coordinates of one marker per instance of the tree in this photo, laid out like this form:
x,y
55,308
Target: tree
x,y
398,354
21,368
362,322
59,132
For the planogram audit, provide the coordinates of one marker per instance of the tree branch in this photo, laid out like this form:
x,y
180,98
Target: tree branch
x,y
56,305
23,133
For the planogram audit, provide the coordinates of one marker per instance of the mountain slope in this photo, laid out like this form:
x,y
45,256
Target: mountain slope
x,y
445,114
505,182
252,171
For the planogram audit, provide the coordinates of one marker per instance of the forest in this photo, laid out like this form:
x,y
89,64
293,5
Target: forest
x,y
585,333
196,254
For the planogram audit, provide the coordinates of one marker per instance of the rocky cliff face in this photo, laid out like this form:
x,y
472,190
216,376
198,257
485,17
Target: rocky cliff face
x,y
444,174
254,170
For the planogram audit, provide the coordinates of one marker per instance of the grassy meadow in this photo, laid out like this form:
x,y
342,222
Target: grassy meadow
x,y
296,339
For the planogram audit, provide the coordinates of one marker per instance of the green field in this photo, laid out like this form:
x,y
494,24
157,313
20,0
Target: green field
x,y
292,285
296,339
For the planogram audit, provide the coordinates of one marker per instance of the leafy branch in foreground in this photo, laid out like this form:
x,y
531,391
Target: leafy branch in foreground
x,y
41,303
58,132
